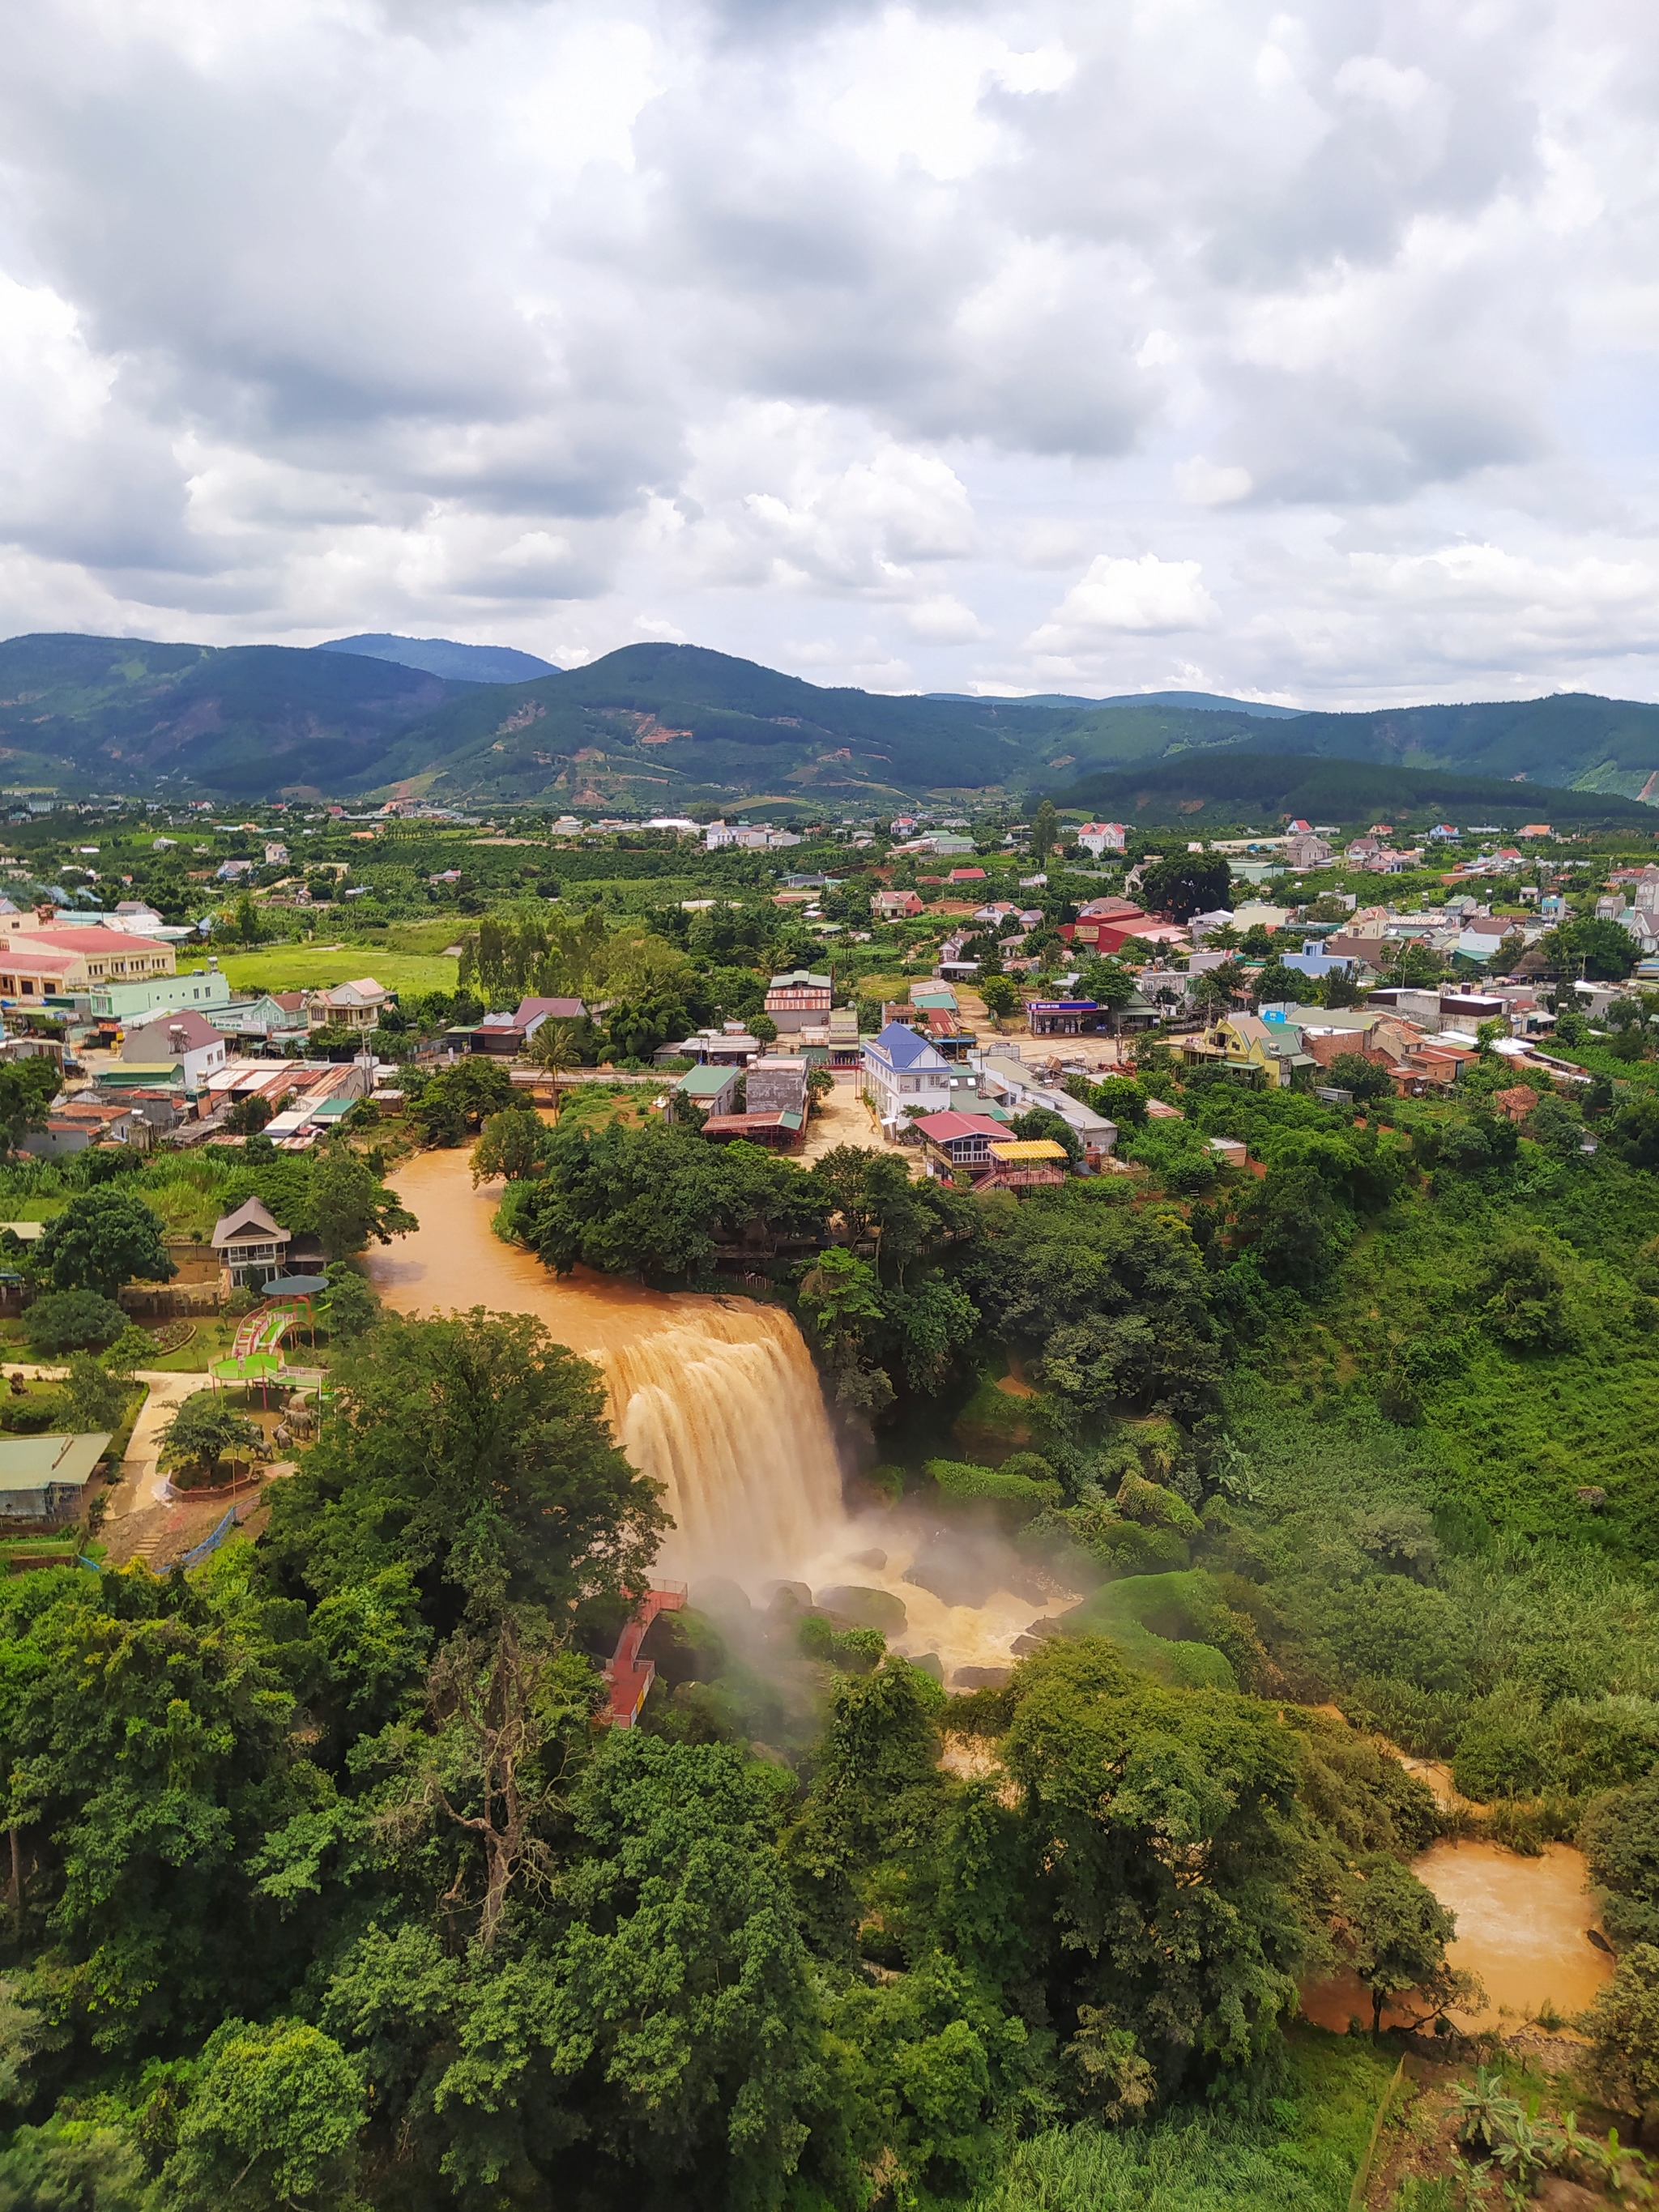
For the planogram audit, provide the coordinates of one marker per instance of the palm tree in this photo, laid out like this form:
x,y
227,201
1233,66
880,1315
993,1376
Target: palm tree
x,y
552,1050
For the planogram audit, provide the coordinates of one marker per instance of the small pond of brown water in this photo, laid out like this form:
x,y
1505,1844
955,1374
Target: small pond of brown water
x,y
1522,1927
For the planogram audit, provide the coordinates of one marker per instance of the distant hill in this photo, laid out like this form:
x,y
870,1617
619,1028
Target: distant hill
x,y
661,728
251,720
1203,703
1571,737
442,656
1238,786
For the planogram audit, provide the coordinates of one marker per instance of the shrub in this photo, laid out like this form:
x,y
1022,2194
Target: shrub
x,y
1016,1495
72,1320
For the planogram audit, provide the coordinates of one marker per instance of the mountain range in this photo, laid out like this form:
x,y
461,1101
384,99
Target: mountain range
x,y
662,727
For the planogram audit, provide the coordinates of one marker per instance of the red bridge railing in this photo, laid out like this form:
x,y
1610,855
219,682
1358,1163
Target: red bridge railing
x,y
629,1676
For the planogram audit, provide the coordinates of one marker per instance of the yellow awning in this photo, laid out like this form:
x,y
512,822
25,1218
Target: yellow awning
x,y
1029,1148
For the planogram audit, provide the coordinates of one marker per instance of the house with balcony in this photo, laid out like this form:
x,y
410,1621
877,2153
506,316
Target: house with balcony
x,y
904,1076
959,1143
354,1006
250,1246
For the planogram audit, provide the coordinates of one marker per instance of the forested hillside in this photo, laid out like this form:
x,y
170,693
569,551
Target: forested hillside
x,y
657,728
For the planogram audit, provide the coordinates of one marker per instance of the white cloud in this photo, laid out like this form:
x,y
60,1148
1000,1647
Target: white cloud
x,y
1147,596
943,620
1202,484
827,333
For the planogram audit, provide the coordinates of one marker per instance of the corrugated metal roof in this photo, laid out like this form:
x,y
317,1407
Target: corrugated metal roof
x,y
1029,1148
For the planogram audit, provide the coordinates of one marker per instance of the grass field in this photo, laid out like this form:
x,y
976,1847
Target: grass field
x,y
316,967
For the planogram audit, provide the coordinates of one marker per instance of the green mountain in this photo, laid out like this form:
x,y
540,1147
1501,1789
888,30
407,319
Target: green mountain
x,y
1207,702
1571,738
443,656
1202,789
243,721
662,727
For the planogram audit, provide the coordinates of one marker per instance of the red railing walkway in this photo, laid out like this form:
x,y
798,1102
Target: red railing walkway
x,y
629,1676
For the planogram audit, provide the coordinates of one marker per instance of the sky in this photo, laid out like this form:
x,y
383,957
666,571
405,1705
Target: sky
x,y
1303,355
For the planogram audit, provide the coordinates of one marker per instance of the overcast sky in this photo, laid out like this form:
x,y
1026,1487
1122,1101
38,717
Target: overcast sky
x,y
1099,347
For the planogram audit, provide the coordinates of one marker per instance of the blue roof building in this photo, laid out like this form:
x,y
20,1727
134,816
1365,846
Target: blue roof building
x,y
902,1070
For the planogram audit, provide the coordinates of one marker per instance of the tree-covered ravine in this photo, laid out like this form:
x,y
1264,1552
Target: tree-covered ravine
x,y
328,1886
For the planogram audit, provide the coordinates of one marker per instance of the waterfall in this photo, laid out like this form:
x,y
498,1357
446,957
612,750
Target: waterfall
x,y
723,1407
716,1400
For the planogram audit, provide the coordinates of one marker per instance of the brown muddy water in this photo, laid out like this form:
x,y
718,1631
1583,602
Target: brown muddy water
x,y
716,1398
1522,1929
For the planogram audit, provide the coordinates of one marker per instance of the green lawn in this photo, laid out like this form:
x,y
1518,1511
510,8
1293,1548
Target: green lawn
x,y
302,967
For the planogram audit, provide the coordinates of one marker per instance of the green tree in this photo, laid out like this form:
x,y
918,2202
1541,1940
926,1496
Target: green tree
x,y
1213,991
352,1205
461,1097
1365,1078
70,1321
28,1087
1634,1131
1000,996
552,1048
1114,1300
1397,1931
840,1301
1122,1098
101,1240
517,1493
247,920
247,1116
1623,2028
762,1027
1600,951
1278,985
1521,1293
514,1143
74,2166
1107,982
272,2122
1186,884
1619,1839
92,1396
1045,831
349,1307
1041,1122
145,1753
206,1429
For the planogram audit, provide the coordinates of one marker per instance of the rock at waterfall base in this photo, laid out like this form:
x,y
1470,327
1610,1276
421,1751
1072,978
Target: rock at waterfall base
x,y
868,1608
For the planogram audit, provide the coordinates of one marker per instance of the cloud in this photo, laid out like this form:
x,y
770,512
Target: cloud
x,y
828,330
1147,596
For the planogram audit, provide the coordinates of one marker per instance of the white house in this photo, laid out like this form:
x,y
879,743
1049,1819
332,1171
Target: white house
x,y
902,1070
185,1038
1098,837
354,1006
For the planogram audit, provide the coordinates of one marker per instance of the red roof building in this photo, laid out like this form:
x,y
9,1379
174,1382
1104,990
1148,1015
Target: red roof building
x,y
960,1140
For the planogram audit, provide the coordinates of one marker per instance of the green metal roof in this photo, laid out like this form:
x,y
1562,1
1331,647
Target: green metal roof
x,y
790,1119
706,1082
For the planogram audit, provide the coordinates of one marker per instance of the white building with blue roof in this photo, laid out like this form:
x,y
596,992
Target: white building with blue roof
x,y
902,1070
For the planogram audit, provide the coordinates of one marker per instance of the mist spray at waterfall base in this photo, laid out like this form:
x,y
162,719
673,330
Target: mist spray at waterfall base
x,y
717,1400
723,1407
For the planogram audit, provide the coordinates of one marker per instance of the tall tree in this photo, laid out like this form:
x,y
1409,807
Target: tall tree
x,y
514,1491
1186,884
100,1241
353,1205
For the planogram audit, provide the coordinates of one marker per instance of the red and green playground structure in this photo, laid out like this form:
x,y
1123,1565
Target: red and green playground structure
x,y
258,1358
